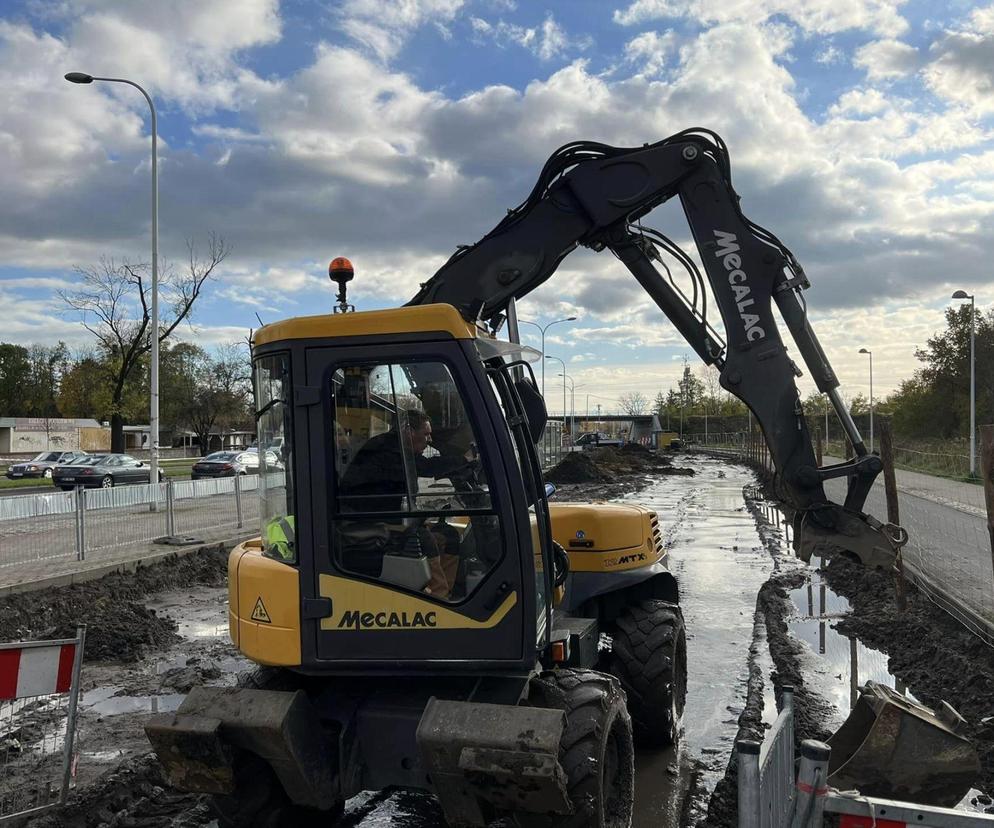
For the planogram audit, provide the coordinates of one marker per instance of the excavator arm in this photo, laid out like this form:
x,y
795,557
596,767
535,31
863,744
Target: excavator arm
x,y
594,195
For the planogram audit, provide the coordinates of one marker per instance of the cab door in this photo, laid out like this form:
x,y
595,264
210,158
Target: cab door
x,y
417,511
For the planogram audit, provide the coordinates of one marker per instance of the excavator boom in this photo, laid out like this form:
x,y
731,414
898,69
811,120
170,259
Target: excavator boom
x,y
594,195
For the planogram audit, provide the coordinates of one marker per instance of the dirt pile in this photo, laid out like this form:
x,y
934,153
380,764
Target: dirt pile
x,y
929,651
119,626
577,467
607,463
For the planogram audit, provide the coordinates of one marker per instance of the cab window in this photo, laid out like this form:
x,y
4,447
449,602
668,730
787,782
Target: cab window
x,y
412,505
273,425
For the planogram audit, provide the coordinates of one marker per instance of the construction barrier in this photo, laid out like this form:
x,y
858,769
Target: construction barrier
x,y
39,698
772,794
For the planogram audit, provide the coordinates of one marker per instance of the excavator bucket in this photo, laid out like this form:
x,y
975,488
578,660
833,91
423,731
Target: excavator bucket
x,y
893,748
873,543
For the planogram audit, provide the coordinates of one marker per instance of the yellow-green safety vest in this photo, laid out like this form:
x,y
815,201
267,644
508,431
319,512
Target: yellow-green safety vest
x,y
280,536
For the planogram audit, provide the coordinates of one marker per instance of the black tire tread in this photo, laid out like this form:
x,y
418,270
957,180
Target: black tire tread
x,y
646,644
587,697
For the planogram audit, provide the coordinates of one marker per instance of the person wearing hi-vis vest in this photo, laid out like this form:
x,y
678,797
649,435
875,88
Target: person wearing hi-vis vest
x,y
280,537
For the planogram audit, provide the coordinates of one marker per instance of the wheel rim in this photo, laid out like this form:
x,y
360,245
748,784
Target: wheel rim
x,y
107,483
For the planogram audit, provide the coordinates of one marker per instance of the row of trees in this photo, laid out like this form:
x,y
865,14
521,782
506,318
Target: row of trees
x,y
198,390
934,403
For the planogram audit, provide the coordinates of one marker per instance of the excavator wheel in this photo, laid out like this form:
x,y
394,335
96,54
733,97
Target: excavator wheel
x,y
259,800
597,751
649,658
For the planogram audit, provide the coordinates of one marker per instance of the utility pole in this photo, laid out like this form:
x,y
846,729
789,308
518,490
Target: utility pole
x,y
962,294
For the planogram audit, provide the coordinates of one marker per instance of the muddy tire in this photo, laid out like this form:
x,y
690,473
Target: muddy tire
x,y
260,802
596,752
649,658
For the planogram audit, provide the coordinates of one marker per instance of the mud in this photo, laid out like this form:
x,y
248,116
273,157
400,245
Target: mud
x,y
931,653
619,471
119,626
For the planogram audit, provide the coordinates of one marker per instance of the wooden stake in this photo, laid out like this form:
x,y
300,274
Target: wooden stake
x,y
893,508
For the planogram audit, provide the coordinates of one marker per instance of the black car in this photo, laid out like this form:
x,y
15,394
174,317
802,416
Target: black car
x,y
230,463
42,465
103,471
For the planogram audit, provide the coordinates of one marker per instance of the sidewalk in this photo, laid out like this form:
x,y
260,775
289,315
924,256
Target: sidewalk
x,y
52,572
966,497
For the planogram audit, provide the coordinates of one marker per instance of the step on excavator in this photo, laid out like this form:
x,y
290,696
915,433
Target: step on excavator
x,y
421,615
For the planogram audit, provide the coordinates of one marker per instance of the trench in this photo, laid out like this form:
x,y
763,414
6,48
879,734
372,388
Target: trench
x,y
833,660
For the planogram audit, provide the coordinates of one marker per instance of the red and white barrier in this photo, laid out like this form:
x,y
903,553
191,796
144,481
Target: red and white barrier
x,y
27,670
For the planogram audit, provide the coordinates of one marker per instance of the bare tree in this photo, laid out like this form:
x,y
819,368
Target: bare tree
x,y
633,403
114,305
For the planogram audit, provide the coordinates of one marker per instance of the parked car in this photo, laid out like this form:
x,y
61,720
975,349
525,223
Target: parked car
x,y
230,463
42,465
104,471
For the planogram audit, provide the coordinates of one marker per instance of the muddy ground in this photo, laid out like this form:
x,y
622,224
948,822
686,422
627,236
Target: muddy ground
x,y
119,624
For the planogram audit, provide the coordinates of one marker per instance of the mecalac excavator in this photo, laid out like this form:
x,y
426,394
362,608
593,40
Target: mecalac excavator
x,y
422,616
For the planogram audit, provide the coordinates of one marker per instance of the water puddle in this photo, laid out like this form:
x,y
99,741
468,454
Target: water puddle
x,y
106,701
840,664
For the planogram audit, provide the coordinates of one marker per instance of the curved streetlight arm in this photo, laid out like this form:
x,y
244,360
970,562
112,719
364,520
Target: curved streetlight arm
x,y
80,77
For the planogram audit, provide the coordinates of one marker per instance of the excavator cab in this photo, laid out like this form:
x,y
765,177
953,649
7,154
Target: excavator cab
x,y
408,474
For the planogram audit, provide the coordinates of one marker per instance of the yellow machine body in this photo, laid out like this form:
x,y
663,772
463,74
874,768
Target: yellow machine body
x,y
607,537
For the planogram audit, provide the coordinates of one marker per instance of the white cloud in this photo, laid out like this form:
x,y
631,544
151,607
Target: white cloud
x,y
651,50
961,68
385,27
547,41
817,16
887,59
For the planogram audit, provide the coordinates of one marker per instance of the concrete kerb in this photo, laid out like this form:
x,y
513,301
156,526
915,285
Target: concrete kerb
x,y
90,571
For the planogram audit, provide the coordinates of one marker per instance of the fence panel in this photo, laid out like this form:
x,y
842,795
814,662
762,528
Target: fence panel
x,y
123,516
37,527
39,694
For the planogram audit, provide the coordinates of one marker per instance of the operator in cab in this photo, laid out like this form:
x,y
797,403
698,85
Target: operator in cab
x,y
383,477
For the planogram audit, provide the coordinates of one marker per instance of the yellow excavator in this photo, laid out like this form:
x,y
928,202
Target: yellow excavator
x,y
422,616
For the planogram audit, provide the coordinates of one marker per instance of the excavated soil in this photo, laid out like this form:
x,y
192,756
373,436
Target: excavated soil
x,y
119,627
623,469
929,651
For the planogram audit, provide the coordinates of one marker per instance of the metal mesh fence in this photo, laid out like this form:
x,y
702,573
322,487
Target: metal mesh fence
x,y
105,523
123,516
32,745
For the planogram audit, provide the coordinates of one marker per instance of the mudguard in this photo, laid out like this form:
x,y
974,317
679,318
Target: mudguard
x,y
891,747
196,745
498,754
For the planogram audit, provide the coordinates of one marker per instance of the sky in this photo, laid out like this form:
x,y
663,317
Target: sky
x,y
860,132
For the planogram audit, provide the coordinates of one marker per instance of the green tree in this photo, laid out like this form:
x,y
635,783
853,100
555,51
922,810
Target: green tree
x,y
15,377
113,303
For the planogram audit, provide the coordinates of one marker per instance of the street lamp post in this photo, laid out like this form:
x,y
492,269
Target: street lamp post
x,y
153,475
557,359
543,330
870,355
962,294
572,402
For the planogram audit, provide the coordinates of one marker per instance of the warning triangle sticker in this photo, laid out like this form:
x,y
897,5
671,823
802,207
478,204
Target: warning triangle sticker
x,y
259,613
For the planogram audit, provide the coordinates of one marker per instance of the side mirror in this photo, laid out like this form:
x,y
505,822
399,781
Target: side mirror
x,y
550,490
534,406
